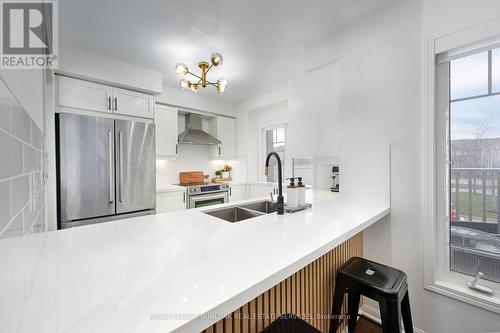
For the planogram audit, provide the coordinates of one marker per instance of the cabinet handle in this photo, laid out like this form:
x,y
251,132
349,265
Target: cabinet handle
x,y
230,191
109,103
116,103
219,150
184,197
176,148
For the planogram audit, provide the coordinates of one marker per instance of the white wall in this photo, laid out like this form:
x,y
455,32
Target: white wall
x,y
252,116
313,100
187,100
381,80
91,66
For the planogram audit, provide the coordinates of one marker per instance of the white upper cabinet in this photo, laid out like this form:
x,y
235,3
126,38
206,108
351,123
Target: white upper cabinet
x,y
166,121
132,103
85,95
79,94
223,128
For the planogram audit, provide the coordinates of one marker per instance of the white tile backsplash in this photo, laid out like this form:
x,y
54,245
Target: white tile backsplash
x,y
20,192
5,116
365,173
12,155
195,158
5,203
22,189
21,124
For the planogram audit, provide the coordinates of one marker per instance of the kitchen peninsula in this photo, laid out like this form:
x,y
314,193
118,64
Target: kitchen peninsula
x,y
162,273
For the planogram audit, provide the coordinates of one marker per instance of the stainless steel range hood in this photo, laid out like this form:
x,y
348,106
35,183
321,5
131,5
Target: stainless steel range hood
x,y
194,135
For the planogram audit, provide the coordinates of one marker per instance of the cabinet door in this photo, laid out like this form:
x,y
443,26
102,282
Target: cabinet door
x,y
80,94
132,103
166,120
238,192
170,202
223,128
260,190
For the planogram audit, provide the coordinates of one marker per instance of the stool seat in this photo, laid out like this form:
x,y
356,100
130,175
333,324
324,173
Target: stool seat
x,y
290,323
384,279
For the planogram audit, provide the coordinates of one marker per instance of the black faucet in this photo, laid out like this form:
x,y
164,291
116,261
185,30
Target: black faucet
x,y
280,205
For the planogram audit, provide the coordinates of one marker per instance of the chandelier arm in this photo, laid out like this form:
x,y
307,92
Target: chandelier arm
x,y
193,74
209,67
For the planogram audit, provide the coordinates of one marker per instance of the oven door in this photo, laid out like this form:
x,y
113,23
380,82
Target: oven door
x,y
203,200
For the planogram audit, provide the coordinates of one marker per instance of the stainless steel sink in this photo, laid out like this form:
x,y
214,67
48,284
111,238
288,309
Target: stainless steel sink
x,y
234,214
265,207
243,212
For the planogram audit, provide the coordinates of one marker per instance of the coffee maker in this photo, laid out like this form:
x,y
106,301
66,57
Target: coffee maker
x,y
335,178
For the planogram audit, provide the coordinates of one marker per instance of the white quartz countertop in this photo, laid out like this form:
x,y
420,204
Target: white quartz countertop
x,y
171,188
162,273
178,188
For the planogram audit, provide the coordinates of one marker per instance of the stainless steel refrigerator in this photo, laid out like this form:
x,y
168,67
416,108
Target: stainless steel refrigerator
x,y
106,169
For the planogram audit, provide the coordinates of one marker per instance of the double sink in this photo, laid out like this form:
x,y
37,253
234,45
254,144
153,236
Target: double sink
x,y
243,212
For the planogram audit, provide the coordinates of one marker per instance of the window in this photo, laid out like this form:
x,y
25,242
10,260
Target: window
x,y
474,164
495,67
275,140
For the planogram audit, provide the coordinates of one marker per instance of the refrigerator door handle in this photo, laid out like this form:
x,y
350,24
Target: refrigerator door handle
x,y
110,167
120,164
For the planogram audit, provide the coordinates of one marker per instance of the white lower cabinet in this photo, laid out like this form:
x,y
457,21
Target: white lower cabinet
x,y
170,201
238,192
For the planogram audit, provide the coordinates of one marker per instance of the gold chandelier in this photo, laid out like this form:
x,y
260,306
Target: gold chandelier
x,y
201,80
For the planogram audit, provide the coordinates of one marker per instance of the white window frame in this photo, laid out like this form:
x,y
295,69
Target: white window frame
x,y
263,127
437,276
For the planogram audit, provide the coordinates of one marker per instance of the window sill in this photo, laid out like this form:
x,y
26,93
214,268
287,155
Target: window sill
x,y
459,291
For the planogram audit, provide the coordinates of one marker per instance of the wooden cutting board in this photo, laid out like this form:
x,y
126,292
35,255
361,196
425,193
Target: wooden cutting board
x,y
191,177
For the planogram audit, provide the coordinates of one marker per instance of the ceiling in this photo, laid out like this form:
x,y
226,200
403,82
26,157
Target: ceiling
x,y
261,40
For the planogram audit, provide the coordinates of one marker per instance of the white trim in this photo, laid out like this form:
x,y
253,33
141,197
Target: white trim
x,y
263,127
373,313
461,293
448,283
82,112
470,35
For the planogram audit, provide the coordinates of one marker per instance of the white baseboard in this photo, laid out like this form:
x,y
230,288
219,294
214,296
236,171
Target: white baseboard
x,y
373,313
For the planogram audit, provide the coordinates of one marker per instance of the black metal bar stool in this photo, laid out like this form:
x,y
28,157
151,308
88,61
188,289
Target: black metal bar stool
x,y
386,285
360,277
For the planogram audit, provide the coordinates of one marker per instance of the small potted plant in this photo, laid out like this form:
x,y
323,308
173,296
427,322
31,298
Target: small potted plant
x,y
226,172
218,174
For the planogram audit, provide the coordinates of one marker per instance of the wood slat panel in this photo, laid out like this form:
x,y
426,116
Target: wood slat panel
x,y
308,292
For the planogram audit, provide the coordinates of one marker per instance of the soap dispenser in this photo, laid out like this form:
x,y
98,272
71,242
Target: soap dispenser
x,y
292,198
301,192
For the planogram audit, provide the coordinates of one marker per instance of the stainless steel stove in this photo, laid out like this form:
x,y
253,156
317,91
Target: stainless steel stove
x,y
202,195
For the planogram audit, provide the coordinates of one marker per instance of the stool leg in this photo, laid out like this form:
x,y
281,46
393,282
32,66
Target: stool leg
x,y
406,313
353,305
389,314
338,298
